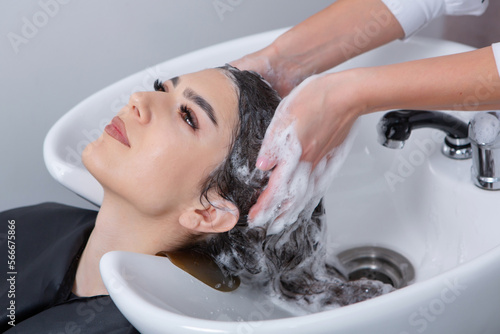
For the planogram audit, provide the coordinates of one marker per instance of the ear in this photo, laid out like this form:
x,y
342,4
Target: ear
x,y
217,218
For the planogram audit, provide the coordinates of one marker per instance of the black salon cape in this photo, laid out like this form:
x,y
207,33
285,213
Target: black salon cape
x,y
49,240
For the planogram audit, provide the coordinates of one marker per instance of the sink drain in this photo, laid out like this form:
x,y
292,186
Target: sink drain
x,y
377,263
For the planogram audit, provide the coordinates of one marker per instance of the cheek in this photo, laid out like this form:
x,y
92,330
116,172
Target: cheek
x,y
164,179
157,176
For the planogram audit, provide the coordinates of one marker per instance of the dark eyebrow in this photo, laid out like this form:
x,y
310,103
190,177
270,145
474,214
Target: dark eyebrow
x,y
175,81
200,101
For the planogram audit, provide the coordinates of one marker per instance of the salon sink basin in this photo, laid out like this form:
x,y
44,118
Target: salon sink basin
x,y
413,201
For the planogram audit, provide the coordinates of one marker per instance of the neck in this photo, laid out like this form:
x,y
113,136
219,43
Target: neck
x,y
119,227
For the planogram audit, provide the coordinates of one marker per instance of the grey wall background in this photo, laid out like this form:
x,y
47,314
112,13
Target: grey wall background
x,y
55,53
84,46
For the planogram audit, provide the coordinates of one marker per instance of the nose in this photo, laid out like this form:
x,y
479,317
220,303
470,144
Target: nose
x,y
140,106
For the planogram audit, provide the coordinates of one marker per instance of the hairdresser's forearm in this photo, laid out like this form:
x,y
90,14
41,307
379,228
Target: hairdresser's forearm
x,y
466,81
339,32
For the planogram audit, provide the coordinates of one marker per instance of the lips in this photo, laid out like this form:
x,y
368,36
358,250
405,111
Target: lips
x,y
116,129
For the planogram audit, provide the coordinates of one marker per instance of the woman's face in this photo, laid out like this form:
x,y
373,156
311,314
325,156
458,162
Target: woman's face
x,y
163,143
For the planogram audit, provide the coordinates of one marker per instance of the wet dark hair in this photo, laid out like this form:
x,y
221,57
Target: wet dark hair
x,y
285,262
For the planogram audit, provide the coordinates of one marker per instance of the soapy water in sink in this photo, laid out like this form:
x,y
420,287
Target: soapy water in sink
x,y
296,273
286,256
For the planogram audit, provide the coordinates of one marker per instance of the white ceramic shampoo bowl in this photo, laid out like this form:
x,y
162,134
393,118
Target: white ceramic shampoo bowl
x,y
413,201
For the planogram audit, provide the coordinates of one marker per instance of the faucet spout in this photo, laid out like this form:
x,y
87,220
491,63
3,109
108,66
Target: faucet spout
x,y
395,127
484,132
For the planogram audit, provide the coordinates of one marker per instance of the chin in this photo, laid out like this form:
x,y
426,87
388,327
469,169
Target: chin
x,y
94,159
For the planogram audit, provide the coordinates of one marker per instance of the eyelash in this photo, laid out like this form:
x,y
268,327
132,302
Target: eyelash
x,y
185,111
187,116
158,86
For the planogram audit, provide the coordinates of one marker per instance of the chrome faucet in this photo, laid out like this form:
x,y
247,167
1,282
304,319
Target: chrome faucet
x,y
484,133
480,139
395,127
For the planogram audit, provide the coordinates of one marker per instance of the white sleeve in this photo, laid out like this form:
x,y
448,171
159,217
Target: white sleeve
x,y
496,53
413,15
